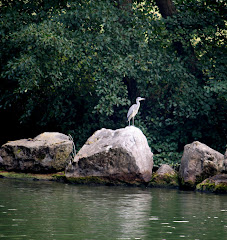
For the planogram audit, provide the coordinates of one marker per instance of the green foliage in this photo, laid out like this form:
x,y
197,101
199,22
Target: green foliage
x,y
76,67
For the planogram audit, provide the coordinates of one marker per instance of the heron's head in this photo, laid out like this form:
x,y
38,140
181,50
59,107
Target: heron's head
x,y
139,99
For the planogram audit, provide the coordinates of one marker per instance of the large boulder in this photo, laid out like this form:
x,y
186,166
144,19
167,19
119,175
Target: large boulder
x,y
198,163
121,155
48,152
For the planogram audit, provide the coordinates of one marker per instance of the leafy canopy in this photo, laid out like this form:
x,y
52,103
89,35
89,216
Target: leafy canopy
x,y
76,67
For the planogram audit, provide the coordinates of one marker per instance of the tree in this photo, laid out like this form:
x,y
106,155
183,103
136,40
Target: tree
x,y
75,68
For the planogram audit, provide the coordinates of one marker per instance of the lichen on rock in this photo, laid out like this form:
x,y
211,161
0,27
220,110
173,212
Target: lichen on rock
x,y
165,177
215,184
48,152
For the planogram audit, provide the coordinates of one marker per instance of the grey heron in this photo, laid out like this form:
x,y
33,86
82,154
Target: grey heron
x,y
133,110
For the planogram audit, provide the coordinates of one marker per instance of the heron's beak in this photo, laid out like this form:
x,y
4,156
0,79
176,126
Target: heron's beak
x,y
142,99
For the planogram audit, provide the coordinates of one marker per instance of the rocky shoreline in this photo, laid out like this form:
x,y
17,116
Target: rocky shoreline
x,y
112,157
216,184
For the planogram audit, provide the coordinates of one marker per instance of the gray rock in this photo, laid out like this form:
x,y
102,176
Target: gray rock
x,y
165,169
121,155
48,152
164,177
224,170
198,163
215,184
52,137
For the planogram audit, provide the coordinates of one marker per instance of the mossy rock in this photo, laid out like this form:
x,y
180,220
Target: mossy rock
x,y
59,177
46,153
86,180
190,185
187,185
215,184
95,180
164,180
30,176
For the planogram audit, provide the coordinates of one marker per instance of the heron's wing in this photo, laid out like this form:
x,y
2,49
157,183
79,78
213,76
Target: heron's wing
x,y
131,109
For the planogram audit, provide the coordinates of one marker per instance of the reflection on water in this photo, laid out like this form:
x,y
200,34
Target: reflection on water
x,y
48,210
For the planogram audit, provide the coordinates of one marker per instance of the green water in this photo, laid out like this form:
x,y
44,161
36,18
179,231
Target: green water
x,y
48,210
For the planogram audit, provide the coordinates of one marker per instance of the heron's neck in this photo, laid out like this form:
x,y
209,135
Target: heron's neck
x,y
138,102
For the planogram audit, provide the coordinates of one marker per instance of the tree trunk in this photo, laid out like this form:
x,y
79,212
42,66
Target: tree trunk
x,y
167,9
123,4
126,5
131,87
